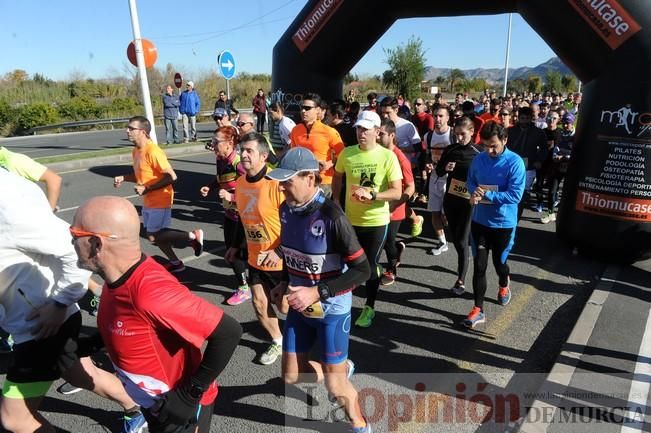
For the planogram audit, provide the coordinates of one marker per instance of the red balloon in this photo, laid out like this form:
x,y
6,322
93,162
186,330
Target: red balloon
x,y
149,51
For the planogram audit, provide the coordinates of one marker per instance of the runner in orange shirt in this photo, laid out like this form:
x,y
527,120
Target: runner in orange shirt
x,y
154,176
258,202
322,140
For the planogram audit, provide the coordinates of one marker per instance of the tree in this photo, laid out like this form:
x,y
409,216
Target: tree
x,y
406,68
17,76
455,76
569,83
553,81
534,84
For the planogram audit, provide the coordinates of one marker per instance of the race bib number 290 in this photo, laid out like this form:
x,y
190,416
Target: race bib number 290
x,y
458,188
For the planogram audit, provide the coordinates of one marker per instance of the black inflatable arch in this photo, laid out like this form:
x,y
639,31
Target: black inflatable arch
x,y
606,206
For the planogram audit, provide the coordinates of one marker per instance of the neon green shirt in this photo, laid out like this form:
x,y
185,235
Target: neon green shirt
x,y
373,169
22,165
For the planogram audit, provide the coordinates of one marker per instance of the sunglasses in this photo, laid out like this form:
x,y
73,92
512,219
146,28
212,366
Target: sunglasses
x,y
240,124
218,117
505,114
418,103
78,233
307,107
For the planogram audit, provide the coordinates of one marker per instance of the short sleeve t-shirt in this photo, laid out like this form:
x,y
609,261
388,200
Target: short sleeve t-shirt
x,y
372,169
324,142
258,203
149,164
22,165
400,213
153,328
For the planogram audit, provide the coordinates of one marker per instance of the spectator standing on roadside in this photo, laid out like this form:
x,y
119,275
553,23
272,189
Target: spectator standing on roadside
x,y
190,106
226,104
259,103
282,124
171,104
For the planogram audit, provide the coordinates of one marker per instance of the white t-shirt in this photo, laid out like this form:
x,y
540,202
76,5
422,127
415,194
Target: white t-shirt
x,y
406,135
436,142
36,256
285,128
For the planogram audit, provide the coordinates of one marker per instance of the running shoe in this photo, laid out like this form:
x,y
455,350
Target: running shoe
x,y
271,354
242,295
504,294
417,228
387,278
134,423
67,389
6,345
175,267
549,218
401,248
197,242
365,319
458,288
475,317
440,249
366,429
94,305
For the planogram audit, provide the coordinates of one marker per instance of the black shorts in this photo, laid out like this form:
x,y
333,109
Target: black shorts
x,y
269,279
40,360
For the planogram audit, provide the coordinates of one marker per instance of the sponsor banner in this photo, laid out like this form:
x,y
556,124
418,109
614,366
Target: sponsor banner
x,y
316,19
632,209
470,403
608,19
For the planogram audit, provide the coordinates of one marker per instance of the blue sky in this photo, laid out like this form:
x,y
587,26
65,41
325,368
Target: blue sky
x,y
58,38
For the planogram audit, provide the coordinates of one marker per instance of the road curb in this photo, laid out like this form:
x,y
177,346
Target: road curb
x,y
561,373
125,158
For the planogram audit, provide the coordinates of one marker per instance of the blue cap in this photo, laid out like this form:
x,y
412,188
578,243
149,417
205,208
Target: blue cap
x,y
293,162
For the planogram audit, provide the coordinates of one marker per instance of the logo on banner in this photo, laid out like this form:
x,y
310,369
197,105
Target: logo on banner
x,y
633,122
312,25
608,18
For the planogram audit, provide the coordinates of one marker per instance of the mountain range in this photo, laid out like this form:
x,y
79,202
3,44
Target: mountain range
x,y
495,75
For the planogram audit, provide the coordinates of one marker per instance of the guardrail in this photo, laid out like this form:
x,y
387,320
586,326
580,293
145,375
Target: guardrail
x,y
119,120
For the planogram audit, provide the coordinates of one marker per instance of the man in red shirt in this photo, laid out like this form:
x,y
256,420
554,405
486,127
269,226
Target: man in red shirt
x,y
387,137
153,326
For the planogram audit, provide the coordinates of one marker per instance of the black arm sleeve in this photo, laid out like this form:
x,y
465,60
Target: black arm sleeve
x,y
221,345
358,267
440,166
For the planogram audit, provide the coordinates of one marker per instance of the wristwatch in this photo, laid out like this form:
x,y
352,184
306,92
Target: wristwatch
x,y
373,195
196,391
324,291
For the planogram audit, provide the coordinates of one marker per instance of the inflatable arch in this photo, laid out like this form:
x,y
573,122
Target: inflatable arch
x,y
606,205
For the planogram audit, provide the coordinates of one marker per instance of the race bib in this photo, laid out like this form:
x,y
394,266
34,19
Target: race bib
x,y
459,189
314,311
256,233
488,188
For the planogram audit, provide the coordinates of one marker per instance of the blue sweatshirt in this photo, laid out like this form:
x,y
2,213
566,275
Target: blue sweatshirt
x,y
504,177
190,103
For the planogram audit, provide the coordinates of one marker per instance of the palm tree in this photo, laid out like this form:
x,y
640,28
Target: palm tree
x,y
455,76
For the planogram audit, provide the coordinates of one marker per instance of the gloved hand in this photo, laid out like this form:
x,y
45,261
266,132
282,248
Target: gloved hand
x,y
177,406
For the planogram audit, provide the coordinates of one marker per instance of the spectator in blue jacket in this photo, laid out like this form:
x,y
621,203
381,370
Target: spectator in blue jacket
x,y
171,105
190,105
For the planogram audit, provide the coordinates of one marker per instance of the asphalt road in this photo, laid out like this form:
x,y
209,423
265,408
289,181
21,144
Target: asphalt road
x,y
414,348
41,146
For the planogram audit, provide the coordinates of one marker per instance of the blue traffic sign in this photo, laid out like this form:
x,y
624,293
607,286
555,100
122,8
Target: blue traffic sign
x,y
226,64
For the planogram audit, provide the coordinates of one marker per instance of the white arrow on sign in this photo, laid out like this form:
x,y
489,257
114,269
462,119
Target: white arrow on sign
x,y
228,65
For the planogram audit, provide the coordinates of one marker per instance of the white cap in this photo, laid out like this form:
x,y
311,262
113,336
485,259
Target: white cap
x,y
368,120
190,83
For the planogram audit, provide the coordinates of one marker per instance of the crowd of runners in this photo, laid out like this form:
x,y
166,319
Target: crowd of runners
x,y
307,214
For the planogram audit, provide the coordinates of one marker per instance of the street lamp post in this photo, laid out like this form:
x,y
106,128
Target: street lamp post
x,y
508,52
